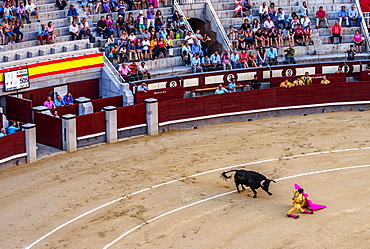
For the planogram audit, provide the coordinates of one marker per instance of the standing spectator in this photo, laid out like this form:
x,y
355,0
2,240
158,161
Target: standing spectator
x,y
262,57
225,60
255,84
234,60
124,71
143,71
73,14
61,4
205,43
358,40
342,15
272,56
120,25
150,15
133,70
59,102
351,52
74,31
13,128
130,20
42,34
186,54
221,89
68,99
51,32
306,78
215,60
17,30
22,12
206,63
159,19
336,31
304,9
49,103
289,56
141,21
280,18
263,12
2,132
121,9
233,85
32,10
354,16
195,64
321,16
102,27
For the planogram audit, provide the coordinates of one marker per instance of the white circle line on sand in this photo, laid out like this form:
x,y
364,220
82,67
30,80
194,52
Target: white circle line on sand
x,y
180,179
220,195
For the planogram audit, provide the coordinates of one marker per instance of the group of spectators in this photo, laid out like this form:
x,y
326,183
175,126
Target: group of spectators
x,y
13,128
302,81
58,102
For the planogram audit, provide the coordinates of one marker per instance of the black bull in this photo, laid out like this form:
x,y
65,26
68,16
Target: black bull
x,y
250,179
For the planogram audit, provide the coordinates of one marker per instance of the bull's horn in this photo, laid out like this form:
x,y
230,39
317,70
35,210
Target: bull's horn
x,y
262,182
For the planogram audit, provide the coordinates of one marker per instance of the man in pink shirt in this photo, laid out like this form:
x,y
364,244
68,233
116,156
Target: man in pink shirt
x,y
124,71
336,31
49,103
321,16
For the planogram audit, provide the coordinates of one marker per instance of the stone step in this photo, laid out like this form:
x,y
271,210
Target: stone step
x,y
166,72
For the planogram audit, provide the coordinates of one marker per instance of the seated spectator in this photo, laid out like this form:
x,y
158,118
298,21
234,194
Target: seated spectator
x,y
59,102
298,82
286,84
294,23
132,37
130,20
102,28
215,60
321,16
139,49
232,33
13,128
181,26
298,35
325,81
351,52
132,55
49,103
221,89
120,25
186,54
268,24
17,30
168,43
339,70
307,79
32,10
8,13
290,37
61,4
109,24
263,12
143,71
247,6
113,54
240,40
262,57
124,71
74,30
2,132
255,25
8,32
233,85
190,38
238,8
205,43
307,36
55,114
154,49
22,12
195,64
161,47
305,21
85,30
51,32
342,15
142,88
146,45
137,4
170,28
280,18
354,16
252,59
73,14
289,56
249,39
162,32
255,84
43,34
206,63
234,60
280,38
272,11
243,58
336,31
258,39
106,6
272,56
304,9
273,37
358,40
68,99
225,60
133,71
123,57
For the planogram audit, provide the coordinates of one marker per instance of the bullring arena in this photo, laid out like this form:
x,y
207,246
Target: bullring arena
x,y
165,191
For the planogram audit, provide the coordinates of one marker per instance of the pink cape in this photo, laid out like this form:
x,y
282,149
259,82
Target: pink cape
x,y
311,206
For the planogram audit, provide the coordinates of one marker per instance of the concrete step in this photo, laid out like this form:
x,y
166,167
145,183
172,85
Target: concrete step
x,y
172,71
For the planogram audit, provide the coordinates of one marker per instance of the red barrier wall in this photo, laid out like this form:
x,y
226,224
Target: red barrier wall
x,y
90,124
67,109
131,115
48,130
38,96
87,88
99,104
316,78
12,144
261,99
18,109
160,94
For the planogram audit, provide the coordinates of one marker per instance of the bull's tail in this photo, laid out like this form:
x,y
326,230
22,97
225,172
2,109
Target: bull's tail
x,y
224,176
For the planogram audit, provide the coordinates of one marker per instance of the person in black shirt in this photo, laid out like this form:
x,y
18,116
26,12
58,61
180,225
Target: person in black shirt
x,y
245,25
351,53
255,83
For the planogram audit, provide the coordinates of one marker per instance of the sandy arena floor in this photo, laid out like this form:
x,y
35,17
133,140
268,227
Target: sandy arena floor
x,y
38,197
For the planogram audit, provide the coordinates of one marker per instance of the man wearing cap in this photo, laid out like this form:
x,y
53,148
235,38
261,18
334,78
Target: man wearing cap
x,y
120,25
43,34
321,16
141,20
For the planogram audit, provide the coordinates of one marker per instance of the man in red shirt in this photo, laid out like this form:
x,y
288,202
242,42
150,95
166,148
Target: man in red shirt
x,y
336,31
298,34
133,70
321,16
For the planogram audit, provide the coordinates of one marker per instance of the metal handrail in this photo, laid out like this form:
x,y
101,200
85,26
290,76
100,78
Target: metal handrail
x,y
181,13
219,25
112,70
365,31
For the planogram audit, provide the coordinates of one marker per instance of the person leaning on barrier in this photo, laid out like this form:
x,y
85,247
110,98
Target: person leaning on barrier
x,y
142,88
68,99
307,79
221,89
13,128
255,84
59,101
298,82
286,84
233,85
325,81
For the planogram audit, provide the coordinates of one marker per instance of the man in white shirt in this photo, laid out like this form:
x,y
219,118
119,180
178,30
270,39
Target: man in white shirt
x,y
305,21
143,71
263,12
32,9
74,30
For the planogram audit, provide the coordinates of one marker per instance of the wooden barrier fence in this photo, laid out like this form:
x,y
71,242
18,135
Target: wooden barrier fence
x,y
89,124
48,130
130,115
99,104
19,109
12,144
